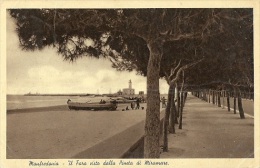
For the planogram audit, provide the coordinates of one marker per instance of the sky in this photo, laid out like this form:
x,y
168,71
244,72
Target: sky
x,y
46,72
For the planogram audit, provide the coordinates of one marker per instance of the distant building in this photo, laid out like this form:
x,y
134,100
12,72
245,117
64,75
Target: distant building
x,y
141,93
129,90
120,92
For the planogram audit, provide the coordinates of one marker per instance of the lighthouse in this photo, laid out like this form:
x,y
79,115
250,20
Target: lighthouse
x,y
129,90
130,84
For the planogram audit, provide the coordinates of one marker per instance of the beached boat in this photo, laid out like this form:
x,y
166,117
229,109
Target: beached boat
x,y
91,106
122,100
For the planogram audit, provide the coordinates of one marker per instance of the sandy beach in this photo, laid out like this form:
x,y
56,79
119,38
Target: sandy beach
x,y
57,132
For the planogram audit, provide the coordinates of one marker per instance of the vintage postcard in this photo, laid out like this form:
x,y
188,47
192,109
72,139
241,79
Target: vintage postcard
x,y
129,83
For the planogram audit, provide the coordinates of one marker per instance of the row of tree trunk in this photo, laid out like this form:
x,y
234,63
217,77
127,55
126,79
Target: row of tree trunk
x,y
176,101
218,96
243,95
177,98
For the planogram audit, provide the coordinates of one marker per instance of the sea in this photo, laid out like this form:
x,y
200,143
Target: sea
x,y
23,101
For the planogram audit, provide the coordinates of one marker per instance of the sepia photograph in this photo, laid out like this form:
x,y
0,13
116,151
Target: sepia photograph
x,y
117,86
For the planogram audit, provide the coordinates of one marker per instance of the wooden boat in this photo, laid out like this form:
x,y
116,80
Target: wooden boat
x,y
122,100
112,105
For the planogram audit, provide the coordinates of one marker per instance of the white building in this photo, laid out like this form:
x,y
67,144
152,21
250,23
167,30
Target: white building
x,y
129,90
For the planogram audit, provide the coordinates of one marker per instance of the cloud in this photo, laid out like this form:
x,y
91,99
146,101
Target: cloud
x,y
43,72
54,80
51,79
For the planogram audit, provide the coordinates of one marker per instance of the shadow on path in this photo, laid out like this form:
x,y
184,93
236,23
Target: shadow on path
x,y
211,132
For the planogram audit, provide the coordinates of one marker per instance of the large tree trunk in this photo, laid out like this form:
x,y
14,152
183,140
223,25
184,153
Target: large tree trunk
x,y
209,96
181,110
213,97
178,100
152,122
219,104
205,95
173,114
182,100
223,98
228,101
166,119
175,108
240,106
235,103
185,97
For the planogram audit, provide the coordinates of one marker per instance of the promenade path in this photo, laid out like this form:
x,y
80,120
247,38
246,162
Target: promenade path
x,y
211,132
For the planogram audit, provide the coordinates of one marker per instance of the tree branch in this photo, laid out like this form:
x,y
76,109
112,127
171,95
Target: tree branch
x,y
183,68
174,70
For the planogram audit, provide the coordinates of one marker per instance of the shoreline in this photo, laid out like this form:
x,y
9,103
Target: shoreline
x,y
57,108
38,109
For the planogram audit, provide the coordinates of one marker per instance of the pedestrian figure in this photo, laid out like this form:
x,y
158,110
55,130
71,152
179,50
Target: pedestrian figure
x,y
137,103
132,105
163,102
